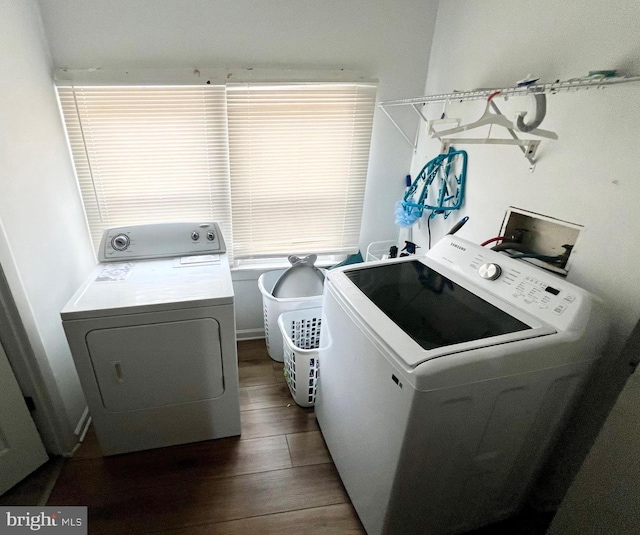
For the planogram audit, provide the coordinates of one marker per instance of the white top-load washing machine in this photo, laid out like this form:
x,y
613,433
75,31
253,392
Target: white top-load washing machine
x,y
444,381
152,333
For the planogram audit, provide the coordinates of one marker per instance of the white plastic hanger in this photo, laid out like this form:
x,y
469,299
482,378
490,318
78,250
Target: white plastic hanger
x,y
490,118
442,120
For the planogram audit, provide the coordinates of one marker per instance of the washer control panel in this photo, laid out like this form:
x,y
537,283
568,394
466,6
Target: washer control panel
x,y
525,285
160,240
530,288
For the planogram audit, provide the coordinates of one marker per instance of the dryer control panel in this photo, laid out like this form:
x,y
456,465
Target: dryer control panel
x,y
160,240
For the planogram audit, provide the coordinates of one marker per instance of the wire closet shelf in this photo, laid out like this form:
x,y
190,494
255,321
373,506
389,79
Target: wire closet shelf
x,y
519,91
575,84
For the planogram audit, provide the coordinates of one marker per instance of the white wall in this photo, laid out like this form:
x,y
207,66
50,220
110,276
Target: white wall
x,y
589,176
603,498
385,40
44,247
248,302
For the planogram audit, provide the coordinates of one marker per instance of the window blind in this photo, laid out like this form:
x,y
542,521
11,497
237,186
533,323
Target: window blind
x,y
298,156
150,154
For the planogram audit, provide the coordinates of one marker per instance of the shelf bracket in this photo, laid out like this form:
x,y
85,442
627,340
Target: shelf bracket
x,y
414,143
529,150
529,147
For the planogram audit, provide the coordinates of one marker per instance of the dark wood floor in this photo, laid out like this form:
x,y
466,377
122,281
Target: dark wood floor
x,y
277,478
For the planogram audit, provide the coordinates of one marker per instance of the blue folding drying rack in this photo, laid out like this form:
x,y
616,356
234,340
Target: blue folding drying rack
x,y
450,186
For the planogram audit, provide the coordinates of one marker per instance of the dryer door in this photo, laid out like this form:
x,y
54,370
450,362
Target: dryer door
x,y
155,365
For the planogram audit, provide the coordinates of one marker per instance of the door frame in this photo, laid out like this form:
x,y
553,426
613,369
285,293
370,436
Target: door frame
x,y
28,373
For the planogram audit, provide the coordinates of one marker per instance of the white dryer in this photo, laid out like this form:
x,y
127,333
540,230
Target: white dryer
x,y
152,334
444,381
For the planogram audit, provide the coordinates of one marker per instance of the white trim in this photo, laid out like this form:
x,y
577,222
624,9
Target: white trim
x,y
267,264
28,357
85,428
83,423
249,334
204,75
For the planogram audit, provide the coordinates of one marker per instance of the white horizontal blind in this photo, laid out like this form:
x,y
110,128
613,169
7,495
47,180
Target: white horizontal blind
x,y
299,156
150,154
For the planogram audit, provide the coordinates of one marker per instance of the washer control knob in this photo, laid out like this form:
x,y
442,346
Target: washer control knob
x,y
490,271
211,236
120,242
195,236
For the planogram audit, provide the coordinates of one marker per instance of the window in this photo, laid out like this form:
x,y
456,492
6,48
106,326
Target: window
x,y
149,154
299,157
282,168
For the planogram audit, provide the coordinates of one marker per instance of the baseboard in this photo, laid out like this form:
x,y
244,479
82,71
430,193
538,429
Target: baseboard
x,y
249,334
83,424
86,422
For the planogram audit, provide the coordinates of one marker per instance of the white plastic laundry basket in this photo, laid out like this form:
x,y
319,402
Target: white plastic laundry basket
x,y
272,308
301,338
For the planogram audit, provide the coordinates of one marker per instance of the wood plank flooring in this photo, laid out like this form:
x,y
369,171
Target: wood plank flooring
x,y
276,478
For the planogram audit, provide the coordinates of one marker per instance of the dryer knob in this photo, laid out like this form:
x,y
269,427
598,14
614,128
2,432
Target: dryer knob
x,y
195,236
120,242
490,271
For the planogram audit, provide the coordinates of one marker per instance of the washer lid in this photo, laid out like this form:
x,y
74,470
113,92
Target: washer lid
x,y
432,309
152,285
422,311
